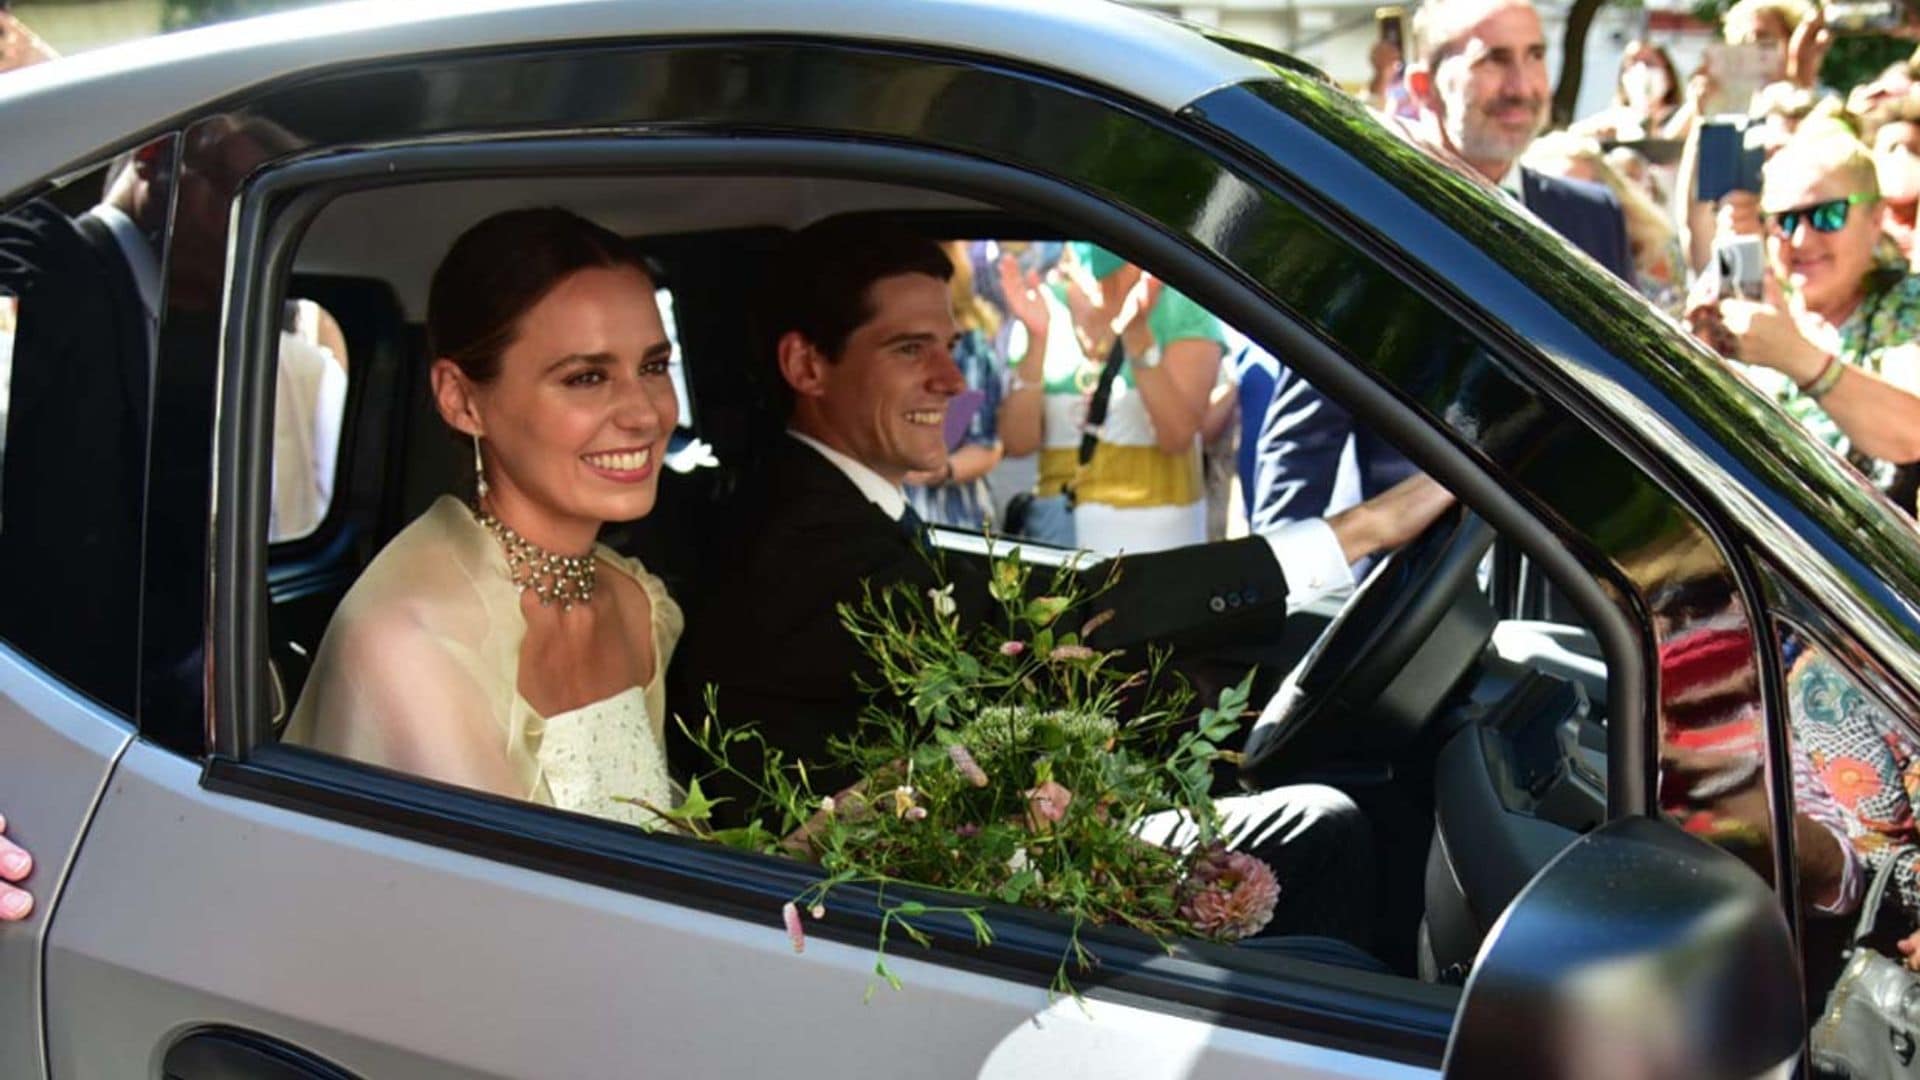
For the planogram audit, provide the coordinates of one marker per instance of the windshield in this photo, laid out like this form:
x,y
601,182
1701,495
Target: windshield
x,y
1748,427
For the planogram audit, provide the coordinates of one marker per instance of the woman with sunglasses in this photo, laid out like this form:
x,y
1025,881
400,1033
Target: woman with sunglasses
x,y
1836,338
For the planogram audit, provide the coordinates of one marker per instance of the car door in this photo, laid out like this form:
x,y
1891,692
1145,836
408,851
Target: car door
x,y
240,904
69,340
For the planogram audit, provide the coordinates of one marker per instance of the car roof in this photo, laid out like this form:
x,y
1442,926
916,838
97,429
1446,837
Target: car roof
x,y
65,114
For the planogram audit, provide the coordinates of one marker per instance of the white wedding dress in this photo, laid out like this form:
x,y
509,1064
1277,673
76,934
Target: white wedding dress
x,y
597,758
419,672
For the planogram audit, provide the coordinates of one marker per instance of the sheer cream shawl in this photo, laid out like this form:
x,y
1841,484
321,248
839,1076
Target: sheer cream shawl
x,y
419,668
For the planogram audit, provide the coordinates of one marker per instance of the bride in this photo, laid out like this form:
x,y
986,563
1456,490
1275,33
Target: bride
x,y
496,645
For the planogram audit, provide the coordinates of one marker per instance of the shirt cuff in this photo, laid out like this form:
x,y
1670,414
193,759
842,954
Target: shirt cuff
x,y
1846,899
1310,559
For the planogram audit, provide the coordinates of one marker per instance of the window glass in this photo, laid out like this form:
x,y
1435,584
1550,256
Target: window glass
x,y
1510,717
1856,785
83,323
310,397
664,298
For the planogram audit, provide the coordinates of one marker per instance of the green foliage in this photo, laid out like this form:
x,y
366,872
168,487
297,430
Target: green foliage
x,y
1857,59
186,14
998,767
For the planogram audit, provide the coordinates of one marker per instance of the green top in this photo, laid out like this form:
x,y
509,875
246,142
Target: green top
x,y
1889,317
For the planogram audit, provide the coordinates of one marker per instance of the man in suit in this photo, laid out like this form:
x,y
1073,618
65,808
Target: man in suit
x,y
1479,77
87,290
864,331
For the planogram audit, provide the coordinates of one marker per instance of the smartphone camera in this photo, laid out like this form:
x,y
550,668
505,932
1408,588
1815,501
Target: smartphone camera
x,y
1392,23
1740,263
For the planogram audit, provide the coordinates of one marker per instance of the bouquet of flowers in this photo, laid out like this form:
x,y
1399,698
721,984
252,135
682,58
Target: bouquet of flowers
x,y
998,765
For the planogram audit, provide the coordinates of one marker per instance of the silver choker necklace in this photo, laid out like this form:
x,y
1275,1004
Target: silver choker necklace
x,y
556,579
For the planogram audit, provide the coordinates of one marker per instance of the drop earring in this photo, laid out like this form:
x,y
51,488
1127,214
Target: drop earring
x,y
479,473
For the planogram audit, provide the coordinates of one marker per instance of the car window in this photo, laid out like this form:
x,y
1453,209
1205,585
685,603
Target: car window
x,y
310,395
1503,732
1856,771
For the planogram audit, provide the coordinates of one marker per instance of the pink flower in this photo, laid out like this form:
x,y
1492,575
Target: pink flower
x,y
1070,652
819,911
1013,648
1228,895
1046,805
969,768
1096,622
916,813
795,932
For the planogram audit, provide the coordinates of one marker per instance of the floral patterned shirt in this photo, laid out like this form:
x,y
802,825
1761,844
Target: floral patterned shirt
x,y
1868,762
1887,318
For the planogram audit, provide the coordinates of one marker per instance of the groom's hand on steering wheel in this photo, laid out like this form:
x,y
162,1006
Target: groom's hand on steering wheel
x,y
1390,518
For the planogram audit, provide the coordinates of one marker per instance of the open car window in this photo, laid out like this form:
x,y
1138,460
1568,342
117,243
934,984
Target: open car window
x,y
1492,732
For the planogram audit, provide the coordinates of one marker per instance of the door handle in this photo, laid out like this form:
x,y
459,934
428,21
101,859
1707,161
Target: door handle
x,y
233,1054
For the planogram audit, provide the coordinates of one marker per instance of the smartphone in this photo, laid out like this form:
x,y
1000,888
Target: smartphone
x,y
1740,70
1392,25
1730,157
1865,16
1740,262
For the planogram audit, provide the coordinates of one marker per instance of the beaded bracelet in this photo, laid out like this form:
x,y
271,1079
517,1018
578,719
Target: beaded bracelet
x,y
1830,374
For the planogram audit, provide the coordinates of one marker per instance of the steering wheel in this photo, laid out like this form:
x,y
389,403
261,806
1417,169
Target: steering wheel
x,y
1385,663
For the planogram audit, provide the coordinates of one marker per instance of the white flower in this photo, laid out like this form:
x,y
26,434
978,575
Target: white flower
x,y
942,600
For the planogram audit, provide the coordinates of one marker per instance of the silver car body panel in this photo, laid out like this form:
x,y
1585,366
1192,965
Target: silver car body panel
x,y
97,100
56,751
394,958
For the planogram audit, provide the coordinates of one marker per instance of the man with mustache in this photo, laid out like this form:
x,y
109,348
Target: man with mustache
x,y
1479,77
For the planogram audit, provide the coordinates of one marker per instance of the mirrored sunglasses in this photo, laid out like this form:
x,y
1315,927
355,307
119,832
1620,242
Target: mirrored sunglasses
x,y
1826,217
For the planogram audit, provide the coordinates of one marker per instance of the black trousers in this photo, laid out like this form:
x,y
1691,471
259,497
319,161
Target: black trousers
x,y
1320,848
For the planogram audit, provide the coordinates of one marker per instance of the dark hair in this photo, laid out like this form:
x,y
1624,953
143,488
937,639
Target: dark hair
x,y
501,268
1671,98
821,278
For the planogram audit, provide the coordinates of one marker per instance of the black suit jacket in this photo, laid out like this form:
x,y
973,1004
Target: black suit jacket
x,y
1587,214
765,635
75,444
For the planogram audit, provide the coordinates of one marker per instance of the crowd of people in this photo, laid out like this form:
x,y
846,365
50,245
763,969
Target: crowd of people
x,y
915,375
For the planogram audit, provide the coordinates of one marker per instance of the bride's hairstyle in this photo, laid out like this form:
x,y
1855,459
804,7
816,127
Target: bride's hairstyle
x,y
499,269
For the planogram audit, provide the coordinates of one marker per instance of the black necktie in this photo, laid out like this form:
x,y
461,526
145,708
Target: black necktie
x,y
912,526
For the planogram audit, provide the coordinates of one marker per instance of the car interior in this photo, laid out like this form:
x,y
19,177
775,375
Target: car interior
x,y
1469,725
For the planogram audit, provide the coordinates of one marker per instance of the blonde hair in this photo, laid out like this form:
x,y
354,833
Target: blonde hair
x,y
1823,145
1649,233
1741,24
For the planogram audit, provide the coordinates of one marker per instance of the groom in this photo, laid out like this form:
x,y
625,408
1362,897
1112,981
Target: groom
x,y
863,357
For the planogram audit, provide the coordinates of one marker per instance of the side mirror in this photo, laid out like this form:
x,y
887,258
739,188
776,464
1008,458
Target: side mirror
x,y
1640,951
